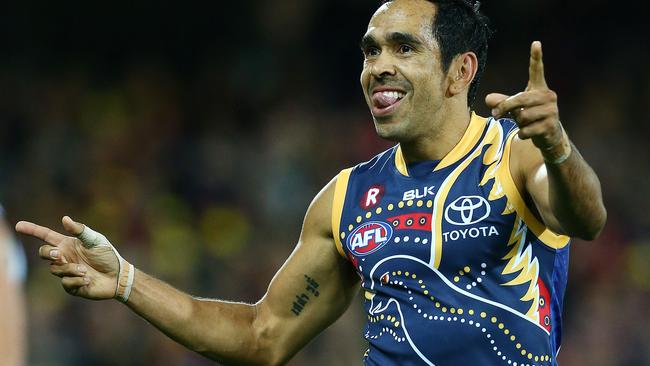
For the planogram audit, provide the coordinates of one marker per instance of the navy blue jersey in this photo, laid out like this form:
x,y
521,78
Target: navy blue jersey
x,y
456,270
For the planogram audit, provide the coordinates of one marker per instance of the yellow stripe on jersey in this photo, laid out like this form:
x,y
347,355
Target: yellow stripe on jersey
x,y
400,163
448,183
340,189
466,143
462,148
544,234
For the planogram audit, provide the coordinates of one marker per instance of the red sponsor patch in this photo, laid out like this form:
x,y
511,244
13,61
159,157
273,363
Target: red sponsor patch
x,y
544,308
412,221
372,197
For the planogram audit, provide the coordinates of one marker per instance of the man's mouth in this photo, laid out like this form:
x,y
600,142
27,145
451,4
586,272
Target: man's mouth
x,y
384,102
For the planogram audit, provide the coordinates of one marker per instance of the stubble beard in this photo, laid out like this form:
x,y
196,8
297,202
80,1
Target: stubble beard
x,y
395,131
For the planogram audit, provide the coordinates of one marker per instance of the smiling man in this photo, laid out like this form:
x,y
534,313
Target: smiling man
x,y
458,235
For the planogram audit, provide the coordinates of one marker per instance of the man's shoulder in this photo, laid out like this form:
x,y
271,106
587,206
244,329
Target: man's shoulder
x,y
377,162
508,124
369,170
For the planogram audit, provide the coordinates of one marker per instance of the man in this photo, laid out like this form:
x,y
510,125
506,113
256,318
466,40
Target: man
x,y
459,234
12,303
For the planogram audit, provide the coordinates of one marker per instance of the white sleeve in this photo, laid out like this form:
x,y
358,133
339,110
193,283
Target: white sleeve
x,y
15,262
17,266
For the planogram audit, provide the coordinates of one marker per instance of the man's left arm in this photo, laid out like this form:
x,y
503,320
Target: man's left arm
x,y
564,188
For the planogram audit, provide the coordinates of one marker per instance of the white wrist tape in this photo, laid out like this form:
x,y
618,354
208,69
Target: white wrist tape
x,y
560,159
91,239
124,281
551,155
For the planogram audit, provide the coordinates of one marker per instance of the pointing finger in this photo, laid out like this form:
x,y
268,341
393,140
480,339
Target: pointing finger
x,y
536,78
47,235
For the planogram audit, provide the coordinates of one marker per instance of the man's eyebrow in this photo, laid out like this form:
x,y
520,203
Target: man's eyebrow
x,y
367,41
393,37
400,38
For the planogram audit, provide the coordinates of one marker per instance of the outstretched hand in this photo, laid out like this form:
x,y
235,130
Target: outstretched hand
x,y
85,270
535,109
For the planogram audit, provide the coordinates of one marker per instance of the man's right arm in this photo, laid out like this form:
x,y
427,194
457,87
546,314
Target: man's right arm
x,y
311,290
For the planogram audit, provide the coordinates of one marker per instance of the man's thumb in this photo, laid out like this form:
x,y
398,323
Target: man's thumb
x,y
72,226
89,237
494,99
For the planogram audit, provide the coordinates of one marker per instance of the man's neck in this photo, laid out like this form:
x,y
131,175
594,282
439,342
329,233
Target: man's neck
x,y
446,134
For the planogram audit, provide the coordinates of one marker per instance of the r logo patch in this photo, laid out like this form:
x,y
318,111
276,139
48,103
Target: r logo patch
x,y
372,197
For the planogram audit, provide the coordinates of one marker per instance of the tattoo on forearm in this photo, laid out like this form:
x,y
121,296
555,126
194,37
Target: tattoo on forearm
x,y
311,288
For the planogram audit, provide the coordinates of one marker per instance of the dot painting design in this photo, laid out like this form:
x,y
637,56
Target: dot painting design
x,y
483,322
417,295
389,207
471,282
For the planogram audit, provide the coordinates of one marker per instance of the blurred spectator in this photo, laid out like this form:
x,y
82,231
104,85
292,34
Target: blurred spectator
x,y
12,300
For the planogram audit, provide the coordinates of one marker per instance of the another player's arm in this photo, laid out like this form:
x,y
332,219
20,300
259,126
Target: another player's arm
x,y
564,188
266,333
12,318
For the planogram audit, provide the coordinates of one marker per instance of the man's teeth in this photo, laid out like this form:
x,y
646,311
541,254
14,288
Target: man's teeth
x,y
393,94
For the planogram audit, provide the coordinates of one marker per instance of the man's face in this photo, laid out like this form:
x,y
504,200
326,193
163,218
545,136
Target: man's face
x,y
402,76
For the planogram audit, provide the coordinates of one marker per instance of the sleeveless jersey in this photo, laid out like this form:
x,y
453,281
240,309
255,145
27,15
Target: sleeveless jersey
x,y
455,268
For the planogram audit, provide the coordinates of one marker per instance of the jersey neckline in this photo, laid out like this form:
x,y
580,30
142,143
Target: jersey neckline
x,y
470,138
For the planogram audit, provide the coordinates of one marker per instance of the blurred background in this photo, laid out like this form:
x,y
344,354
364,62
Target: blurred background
x,y
195,137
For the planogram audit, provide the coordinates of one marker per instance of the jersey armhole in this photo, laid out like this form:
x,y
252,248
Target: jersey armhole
x,y
544,234
340,189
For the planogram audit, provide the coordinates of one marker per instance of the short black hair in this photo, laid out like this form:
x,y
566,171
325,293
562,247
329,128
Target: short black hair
x,y
458,27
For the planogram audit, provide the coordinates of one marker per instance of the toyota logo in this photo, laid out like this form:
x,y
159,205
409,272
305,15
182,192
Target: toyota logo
x,y
467,210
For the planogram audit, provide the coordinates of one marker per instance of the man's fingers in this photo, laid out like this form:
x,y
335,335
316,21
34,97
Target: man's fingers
x,y
71,226
531,115
68,270
531,130
72,284
41,232
516,102
536,78
493,99
49,252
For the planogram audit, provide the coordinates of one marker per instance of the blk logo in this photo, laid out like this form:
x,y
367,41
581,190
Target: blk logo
x,y
467,210
369,238
418,193
372,197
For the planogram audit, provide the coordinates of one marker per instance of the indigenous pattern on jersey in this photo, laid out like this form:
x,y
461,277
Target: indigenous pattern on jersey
x,y
455,268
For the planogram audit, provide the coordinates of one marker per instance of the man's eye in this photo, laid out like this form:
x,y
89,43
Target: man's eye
x,y
371,51
405,48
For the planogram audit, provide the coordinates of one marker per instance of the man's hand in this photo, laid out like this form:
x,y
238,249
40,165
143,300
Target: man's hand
x,y
85,270
550,170
535,110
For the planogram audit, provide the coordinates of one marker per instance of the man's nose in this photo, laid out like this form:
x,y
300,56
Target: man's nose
x,y
383,66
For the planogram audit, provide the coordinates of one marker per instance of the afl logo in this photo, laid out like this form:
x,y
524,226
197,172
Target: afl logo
x,y
369,238
467,210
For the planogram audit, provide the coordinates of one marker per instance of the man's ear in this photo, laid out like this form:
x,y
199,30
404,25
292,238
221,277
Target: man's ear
x,y
462,72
